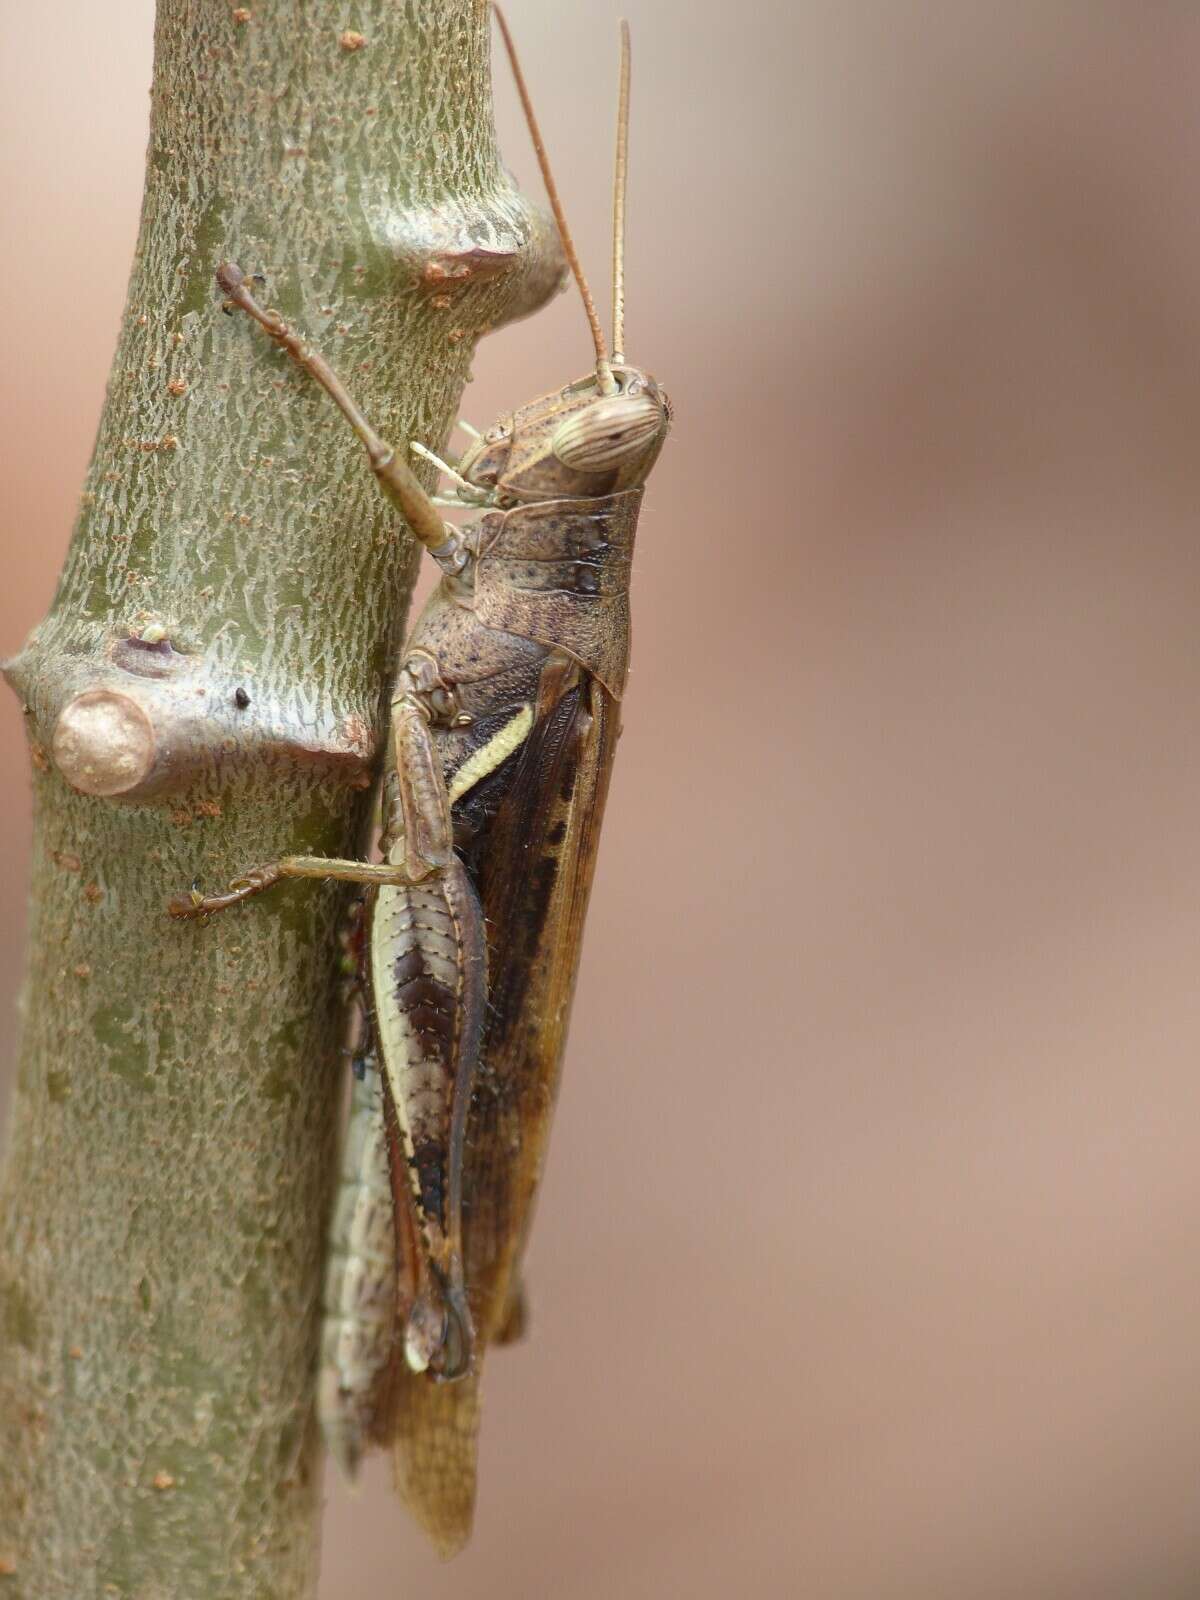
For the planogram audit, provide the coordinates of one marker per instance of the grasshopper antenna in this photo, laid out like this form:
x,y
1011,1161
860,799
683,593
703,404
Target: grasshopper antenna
x,y
620,178
608,384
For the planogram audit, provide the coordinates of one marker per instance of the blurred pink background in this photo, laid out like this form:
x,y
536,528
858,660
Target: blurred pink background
x,y
867,1265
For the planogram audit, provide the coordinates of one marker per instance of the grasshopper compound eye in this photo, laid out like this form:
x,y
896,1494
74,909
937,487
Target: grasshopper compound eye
x,y
608,433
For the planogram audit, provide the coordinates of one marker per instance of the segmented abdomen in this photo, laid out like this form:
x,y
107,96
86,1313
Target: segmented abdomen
x,y
360,1282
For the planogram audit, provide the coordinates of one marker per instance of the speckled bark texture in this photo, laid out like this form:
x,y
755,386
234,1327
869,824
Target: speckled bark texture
x,y
218,653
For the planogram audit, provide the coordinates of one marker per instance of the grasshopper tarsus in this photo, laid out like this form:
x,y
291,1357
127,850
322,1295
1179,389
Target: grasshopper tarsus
x,y
194,904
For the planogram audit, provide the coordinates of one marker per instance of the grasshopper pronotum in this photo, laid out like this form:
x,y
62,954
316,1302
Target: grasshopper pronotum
x,y
504,726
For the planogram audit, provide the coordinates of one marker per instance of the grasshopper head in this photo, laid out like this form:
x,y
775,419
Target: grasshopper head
x,y
576,442
601,434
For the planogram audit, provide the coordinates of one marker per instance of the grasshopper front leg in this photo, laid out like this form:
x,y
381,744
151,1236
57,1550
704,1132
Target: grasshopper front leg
x,y
394,475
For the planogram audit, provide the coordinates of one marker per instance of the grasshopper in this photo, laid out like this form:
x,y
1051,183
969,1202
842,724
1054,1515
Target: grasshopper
x,y
504,724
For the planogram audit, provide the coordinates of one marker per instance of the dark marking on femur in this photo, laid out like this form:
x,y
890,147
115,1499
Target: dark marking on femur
x,y
428,1006
430,1160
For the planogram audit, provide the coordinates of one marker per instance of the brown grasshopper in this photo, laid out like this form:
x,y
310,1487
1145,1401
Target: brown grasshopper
x,y
504,724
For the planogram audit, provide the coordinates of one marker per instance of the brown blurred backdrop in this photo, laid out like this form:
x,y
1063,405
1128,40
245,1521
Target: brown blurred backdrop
x,y
867,1264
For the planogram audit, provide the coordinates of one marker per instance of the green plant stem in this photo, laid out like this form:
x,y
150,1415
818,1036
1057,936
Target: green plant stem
x,y
235,579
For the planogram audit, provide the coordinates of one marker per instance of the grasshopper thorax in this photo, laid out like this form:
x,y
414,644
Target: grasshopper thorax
x,y
575,442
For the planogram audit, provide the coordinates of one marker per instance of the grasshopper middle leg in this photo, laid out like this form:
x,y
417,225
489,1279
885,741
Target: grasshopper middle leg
x,y
195,904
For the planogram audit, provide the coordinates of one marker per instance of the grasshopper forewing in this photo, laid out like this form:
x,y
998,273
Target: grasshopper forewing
x,y
504,726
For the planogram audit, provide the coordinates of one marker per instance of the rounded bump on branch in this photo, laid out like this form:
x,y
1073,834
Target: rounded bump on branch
x,y
135,719
104,743
507,260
